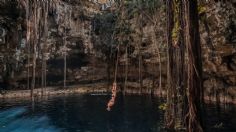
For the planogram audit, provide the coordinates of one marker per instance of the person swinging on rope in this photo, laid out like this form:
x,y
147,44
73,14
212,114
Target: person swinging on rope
x,y
113,97
114,86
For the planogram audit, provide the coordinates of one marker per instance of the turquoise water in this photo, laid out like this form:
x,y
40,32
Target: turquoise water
x,y
87,113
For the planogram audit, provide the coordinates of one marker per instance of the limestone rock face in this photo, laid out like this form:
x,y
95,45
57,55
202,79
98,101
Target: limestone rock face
x,y
218,35
70,22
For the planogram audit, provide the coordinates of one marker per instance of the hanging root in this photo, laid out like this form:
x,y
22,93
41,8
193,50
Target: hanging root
x,y
191,118
113,97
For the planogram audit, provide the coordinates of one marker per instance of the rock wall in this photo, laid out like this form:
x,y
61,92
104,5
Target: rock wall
x,y
68,19
90,25
218,37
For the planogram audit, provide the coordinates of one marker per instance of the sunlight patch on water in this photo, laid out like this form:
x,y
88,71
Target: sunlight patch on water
x,y
13,120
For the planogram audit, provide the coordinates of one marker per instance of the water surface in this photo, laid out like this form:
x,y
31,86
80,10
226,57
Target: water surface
x,y
87,113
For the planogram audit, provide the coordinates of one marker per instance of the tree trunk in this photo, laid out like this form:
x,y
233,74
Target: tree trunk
x,y
179,74
194,66
170,113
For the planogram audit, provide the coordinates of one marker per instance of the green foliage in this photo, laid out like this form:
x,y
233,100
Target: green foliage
x,y
115,27
104,23
175,31
148,6
163,106
201,9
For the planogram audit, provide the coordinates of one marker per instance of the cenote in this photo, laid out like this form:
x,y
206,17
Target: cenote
x,y
164,65
87,113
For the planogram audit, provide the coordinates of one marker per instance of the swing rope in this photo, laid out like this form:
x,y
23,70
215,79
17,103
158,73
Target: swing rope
x,y
114,87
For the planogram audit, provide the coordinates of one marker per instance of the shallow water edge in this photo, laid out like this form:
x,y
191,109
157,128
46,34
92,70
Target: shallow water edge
x,y
94,89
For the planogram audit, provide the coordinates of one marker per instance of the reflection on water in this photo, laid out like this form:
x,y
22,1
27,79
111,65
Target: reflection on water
x,y
13,120
86,113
